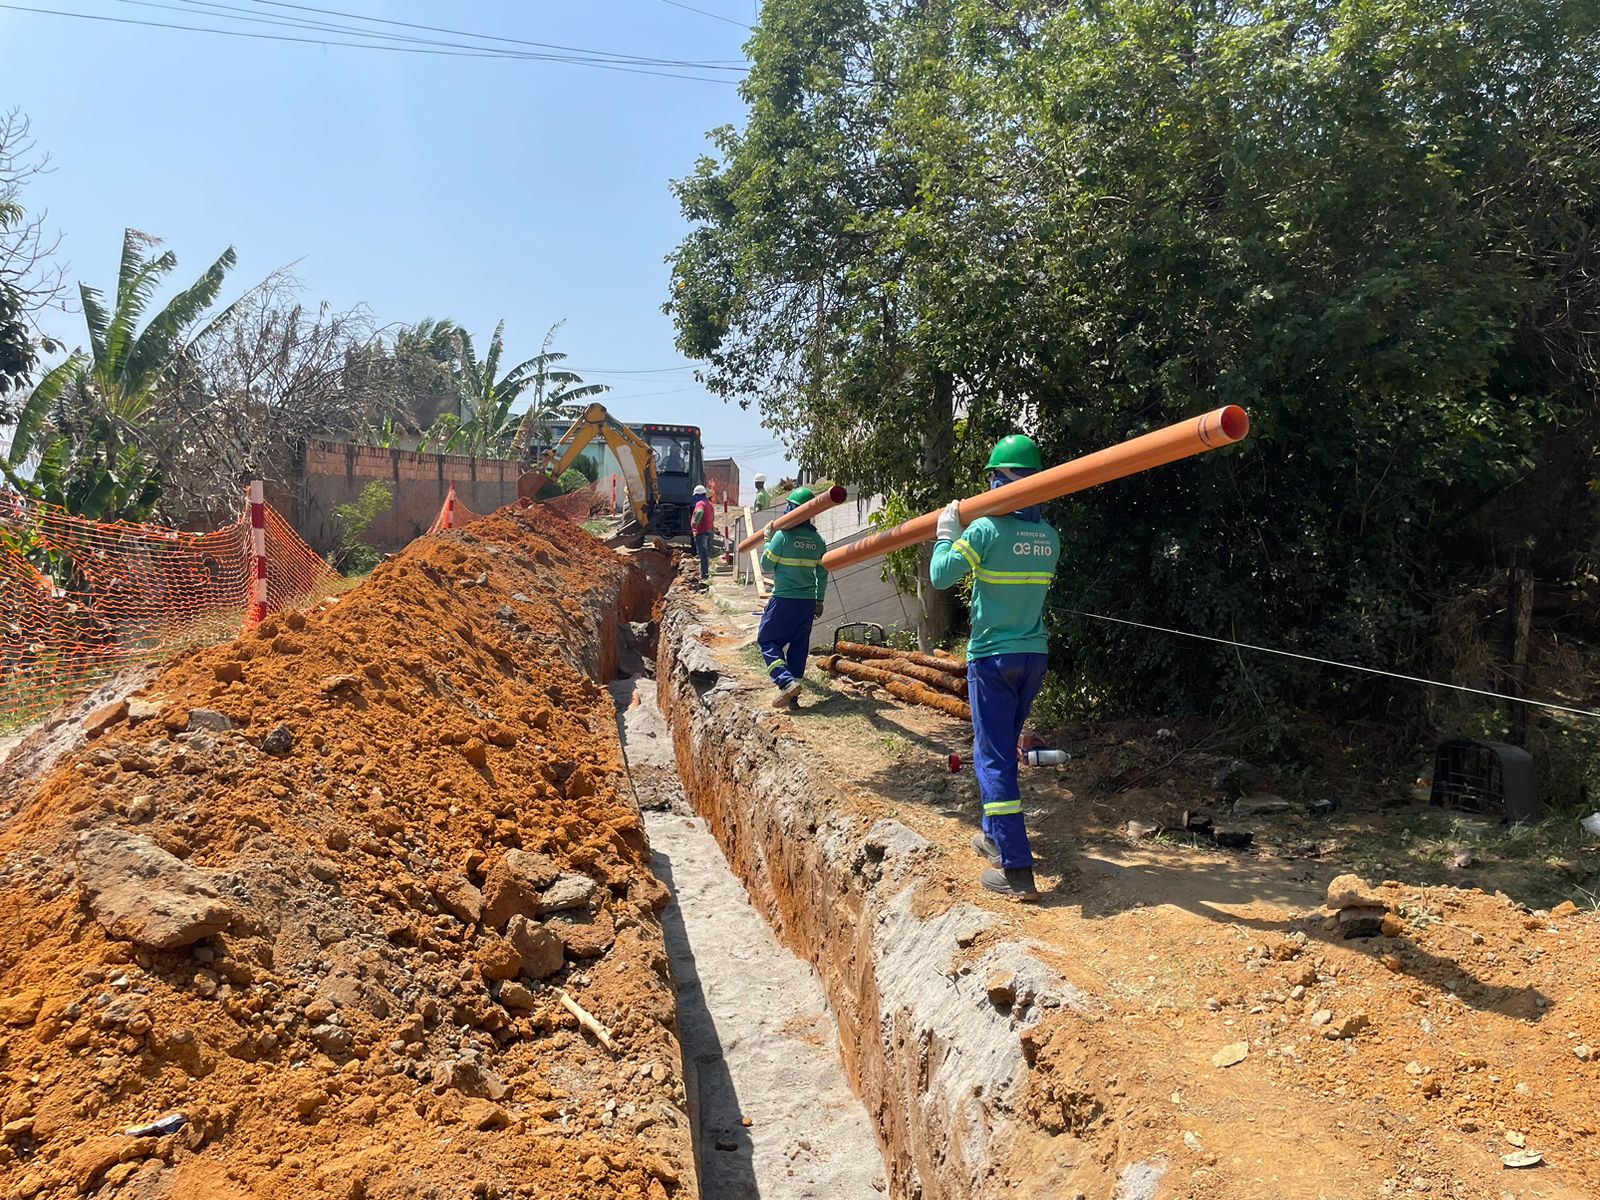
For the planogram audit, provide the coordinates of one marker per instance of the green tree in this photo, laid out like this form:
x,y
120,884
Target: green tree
x,y
85,421
557,394
816,279
1372,223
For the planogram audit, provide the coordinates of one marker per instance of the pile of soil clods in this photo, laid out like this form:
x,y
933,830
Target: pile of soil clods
x,y
303,916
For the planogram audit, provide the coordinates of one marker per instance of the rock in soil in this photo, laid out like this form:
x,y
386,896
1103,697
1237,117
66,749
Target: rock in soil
x,y
1352,891
1002,989
142,894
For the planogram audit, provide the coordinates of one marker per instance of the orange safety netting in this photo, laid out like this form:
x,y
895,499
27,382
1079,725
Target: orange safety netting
x,y
80,600
453,514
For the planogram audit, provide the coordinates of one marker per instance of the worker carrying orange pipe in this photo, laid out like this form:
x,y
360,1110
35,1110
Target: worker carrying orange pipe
x,y
794,555
793,516
1012,558
1011,553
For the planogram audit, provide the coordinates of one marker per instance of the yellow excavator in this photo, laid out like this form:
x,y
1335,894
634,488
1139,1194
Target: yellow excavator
x,y
657,462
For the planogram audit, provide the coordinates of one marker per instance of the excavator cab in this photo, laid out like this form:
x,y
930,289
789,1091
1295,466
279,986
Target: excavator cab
x,y
680,466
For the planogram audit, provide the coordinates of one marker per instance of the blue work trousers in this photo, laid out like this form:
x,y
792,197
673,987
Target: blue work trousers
x,y
785,636
1001,690
702,547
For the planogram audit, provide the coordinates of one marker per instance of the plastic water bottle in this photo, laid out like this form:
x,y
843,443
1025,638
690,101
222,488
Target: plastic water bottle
x,y
1046,758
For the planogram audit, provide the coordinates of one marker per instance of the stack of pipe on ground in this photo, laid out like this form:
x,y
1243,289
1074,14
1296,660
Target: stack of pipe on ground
x,y
945,674
897,684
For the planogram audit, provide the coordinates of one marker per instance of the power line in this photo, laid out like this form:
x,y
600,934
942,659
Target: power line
x,y
225,12
704,13
465,52
1329,662
643,395
488,37
630,370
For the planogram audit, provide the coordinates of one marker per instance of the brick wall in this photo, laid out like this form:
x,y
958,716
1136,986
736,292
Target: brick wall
x,y
333,473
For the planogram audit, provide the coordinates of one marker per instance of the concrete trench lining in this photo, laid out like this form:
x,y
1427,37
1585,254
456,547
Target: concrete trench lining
x,y
939,1067
772,1111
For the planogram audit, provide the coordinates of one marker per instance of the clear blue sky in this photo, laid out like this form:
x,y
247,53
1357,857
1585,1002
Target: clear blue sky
x,y
419,185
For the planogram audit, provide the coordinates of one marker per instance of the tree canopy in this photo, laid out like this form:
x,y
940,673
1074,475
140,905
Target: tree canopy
x,y
1373,224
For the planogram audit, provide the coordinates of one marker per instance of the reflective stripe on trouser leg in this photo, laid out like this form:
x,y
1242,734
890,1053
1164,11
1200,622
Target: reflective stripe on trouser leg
x,y
781,621
1001,689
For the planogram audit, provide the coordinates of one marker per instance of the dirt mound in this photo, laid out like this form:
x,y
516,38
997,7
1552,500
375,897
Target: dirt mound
x,y
408,815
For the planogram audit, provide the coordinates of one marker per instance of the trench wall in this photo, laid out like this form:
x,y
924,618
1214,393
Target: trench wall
x,y
939,1067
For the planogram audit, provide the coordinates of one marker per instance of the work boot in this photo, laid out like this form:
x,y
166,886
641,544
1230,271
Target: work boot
x,y
984,845
1016,882
788,695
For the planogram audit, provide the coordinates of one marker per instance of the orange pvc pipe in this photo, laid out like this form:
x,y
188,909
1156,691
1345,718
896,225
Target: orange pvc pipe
x,y
1221,427
817,504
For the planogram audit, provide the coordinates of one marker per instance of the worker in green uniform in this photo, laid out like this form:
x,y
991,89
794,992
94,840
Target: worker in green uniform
x,y
763,497
794,556
1011,559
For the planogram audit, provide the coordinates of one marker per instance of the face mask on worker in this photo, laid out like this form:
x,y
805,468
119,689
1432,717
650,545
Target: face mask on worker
x,y
1005,475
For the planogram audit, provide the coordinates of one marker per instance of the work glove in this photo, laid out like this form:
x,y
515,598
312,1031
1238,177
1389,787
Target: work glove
x,y
816,610
950,521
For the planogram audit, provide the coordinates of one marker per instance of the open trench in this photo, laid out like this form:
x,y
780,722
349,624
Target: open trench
x,y
772,1108
798,926
379,801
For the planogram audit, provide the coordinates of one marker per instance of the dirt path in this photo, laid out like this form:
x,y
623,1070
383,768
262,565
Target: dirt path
x,y
753,1018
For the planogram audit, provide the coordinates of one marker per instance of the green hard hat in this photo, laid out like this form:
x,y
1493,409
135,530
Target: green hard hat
x,y
1015,452
800,495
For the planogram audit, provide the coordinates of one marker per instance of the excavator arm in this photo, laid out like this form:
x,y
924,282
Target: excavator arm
x,y
632,453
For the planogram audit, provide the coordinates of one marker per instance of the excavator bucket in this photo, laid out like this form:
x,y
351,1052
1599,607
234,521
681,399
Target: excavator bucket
x,y
530,484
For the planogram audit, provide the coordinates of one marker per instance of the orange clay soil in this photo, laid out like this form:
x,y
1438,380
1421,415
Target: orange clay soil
x,y
350,782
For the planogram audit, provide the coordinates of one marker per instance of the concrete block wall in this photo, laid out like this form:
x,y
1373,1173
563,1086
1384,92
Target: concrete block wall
x,y
331,473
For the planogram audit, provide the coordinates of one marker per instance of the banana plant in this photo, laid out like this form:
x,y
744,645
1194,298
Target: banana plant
x,y
484,423
81,427
557,393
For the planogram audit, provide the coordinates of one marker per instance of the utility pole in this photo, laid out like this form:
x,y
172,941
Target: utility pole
x,y
1519,613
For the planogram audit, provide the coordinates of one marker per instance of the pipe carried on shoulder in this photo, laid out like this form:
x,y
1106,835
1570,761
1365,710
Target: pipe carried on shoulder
x,y
817,504
1221,427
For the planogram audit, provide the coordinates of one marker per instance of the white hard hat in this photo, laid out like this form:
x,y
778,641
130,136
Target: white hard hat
x,y
700,489
761,478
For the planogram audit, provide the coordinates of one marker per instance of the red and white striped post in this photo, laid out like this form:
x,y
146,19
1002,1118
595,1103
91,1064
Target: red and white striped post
x,y
257,607
450,506
613,492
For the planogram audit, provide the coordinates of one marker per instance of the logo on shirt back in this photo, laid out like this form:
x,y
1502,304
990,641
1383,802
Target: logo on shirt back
x,y
1031,544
